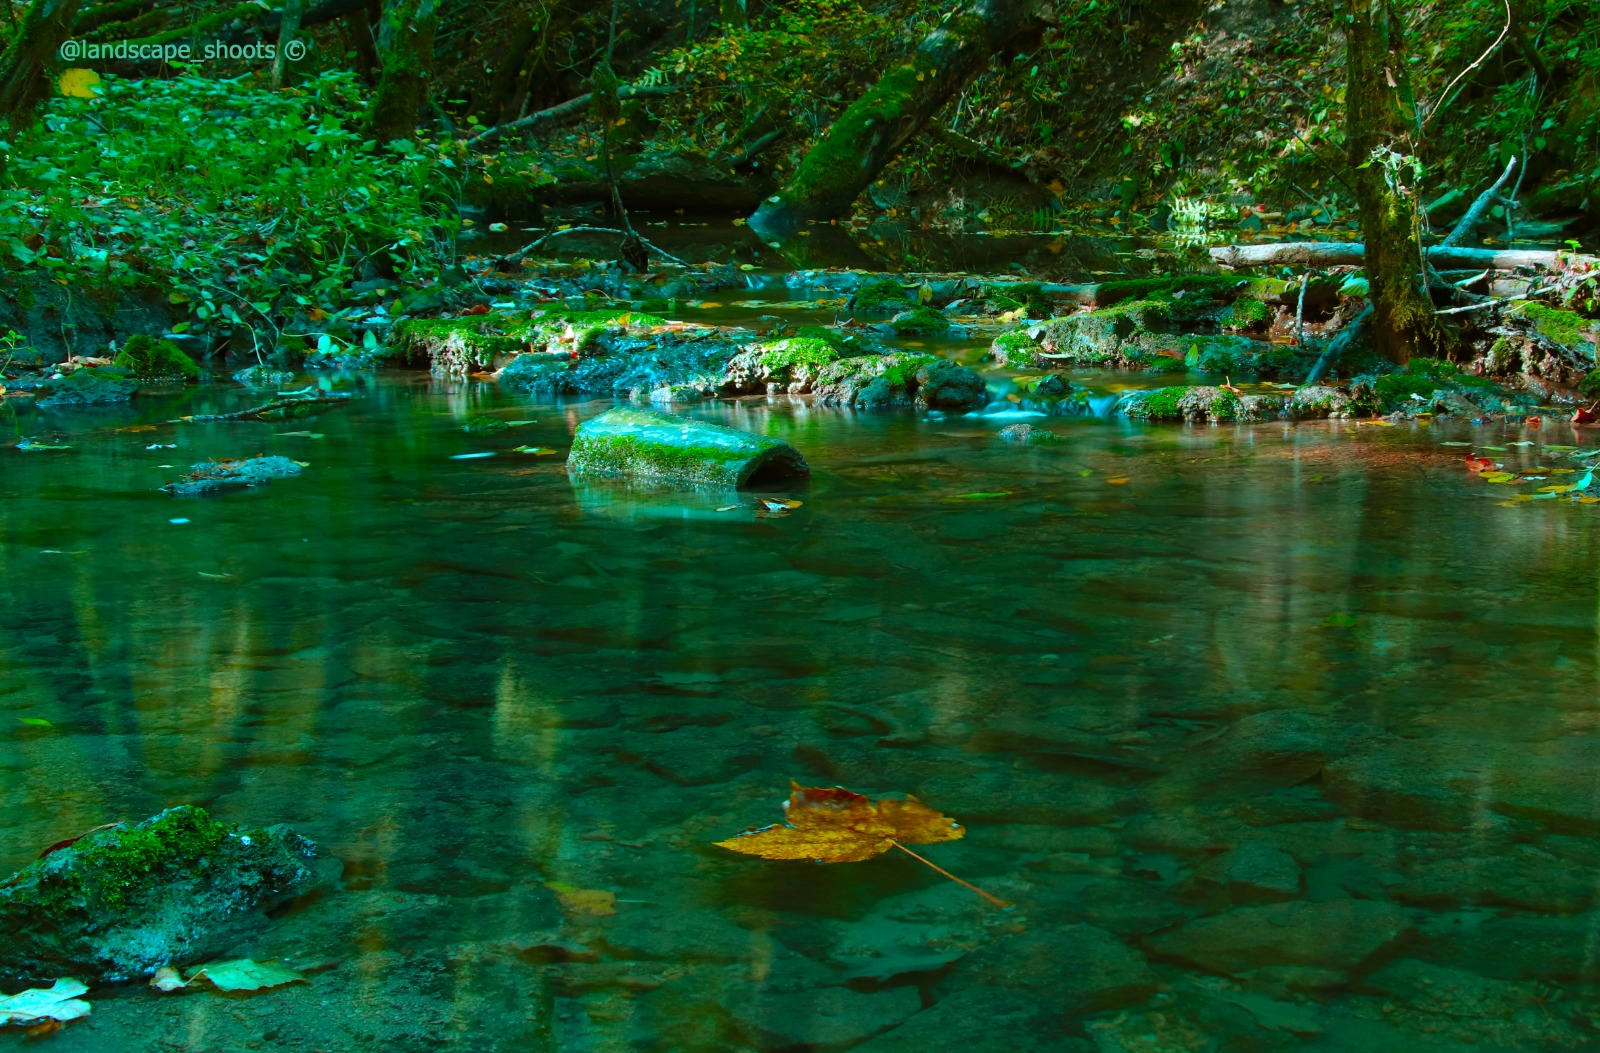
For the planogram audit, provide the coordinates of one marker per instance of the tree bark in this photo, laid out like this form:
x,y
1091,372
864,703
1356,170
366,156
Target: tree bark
x,y
292,12
1380,126
876,126
25,65
405,48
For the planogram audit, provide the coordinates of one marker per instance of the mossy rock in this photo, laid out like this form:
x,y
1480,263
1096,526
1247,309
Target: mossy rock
x,y
1015,350
122,902
796,353
263,376
458,346
919,322
666,448
1028,435
1321,401
483,424
150,358
1589,386
89,387
212,477
880,297
1198,404
1567,328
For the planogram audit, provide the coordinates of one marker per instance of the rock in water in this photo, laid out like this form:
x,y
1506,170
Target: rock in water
x,y
1028,435
88,387
213,476
122,902
650,445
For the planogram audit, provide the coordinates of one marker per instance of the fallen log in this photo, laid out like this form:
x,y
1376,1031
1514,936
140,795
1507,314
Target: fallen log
x,y
570,110
280,409
1333,254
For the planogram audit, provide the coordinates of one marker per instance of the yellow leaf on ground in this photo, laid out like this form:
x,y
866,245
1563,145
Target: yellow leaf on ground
x,y
79,83
592,901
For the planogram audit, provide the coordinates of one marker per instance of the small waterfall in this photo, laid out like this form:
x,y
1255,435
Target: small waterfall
x,y
1102,405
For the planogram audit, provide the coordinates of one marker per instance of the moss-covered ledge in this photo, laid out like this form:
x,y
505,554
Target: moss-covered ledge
x,y
664,447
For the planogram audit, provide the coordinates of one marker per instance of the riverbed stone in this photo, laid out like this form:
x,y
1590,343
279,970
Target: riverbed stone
x,y
1259,753
89,387
1512,946
1342,934
664,447
1084,968
1318,401
983,1018
943,384
122,902
824,1018
1253,872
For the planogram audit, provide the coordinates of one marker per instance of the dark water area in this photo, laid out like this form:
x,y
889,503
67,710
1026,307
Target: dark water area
x,y
1277,737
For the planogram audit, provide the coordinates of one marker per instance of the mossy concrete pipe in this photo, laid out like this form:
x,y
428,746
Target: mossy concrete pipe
x,y
664,447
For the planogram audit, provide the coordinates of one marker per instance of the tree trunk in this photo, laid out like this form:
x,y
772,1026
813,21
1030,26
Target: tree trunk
x,y
292,11
405,48
869,134
1381,137
1444,257
24,67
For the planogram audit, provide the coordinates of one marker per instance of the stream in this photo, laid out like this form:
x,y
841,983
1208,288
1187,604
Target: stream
x,y
1276,737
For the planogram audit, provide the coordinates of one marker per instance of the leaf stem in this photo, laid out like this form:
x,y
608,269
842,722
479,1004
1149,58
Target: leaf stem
x,y
965,884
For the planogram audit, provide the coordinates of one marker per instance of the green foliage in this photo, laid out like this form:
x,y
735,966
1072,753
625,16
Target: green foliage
x,y
904,370
250,206
801,351
149,358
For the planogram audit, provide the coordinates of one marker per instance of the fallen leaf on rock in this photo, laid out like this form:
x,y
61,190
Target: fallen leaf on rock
x,y
835,825
592,901
56,1002
241,974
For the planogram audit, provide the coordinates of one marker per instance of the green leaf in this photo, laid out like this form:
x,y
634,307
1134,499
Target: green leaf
x,y
36,722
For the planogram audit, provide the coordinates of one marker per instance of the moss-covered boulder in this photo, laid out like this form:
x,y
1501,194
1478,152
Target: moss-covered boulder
x,y
455,347
1134,334
1320,401
1199,404
790,365
666,448
884,296
885,381
1027,297
1569,329
618,353
89,387
919,322
122,902
151,358
1028,435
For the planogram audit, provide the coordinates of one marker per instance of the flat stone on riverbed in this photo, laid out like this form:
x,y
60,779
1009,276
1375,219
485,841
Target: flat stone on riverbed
x,y
1342,934
664,447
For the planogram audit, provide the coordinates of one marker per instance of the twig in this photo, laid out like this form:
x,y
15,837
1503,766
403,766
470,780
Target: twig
x,y
997,901
569,110
1504,299
755,149
517,257
1337,345
1300,312
1445,96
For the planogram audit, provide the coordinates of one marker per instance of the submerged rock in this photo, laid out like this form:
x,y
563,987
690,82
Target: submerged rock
x,y
1086,969
122,902
1028,435
264,376
824,1018
664,447
89,387
212,476
1341,935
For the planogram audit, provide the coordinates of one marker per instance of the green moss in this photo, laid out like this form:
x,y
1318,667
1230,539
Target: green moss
x,y
1247,314
1016,348
881,295
488,335
1156,404
1590,385
1140,312
148,358
1212,286
1567,328
801,351
483,424
113,864
904,370
920,321
1395,389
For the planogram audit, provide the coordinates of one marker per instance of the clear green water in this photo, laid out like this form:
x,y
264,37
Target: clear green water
x,y
1321,648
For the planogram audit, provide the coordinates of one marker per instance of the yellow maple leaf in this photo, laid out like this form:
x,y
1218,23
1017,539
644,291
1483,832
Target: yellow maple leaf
x,y
79,83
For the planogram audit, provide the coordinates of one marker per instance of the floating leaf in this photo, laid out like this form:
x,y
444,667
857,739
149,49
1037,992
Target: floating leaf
x,y
241,974
596,902
35,722
776,504
983,495
1524,442
727,508
1497,477
1121,480
838,826
1557,489
1453,443
540,450
835,825
56,1002
1497,449
471,456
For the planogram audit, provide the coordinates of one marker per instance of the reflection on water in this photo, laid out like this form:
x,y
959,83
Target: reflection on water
x,y
1285,742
